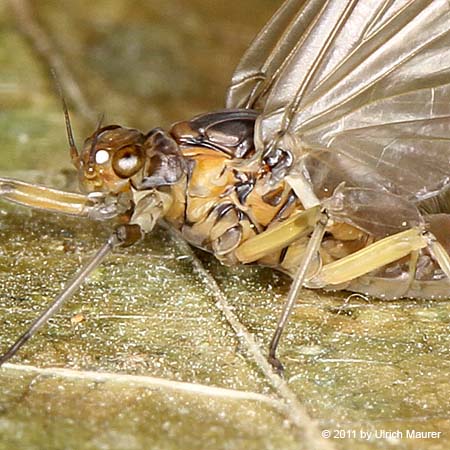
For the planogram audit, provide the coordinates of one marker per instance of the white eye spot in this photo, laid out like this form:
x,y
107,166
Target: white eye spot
x,y
128,163
101,156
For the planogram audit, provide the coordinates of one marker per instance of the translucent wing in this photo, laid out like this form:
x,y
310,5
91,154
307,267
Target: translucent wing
x,y
366,81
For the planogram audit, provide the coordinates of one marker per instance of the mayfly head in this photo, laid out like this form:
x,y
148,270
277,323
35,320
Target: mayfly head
x,y
111,156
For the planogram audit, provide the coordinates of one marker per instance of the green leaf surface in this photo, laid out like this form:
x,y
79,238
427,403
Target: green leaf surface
x,y
142,357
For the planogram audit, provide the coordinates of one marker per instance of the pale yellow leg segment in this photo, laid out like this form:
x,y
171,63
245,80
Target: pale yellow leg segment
x,y
297,283
372,257
440,254
40,197
279,236
413,265
414,259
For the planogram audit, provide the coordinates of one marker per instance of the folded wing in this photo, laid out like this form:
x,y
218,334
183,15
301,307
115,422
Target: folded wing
x,y
368,80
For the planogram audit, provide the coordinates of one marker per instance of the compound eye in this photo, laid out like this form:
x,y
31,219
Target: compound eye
x,y
101,156
127,161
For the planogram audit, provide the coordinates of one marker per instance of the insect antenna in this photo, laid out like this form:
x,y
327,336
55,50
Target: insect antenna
x,y
74,154
65,294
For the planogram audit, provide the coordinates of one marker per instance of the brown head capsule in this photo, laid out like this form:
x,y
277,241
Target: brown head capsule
x,y
110,157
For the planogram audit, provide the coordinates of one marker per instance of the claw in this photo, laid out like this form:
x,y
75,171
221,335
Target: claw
x,y
276,364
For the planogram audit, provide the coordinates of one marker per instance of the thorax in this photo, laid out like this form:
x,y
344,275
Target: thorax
x,y
226,197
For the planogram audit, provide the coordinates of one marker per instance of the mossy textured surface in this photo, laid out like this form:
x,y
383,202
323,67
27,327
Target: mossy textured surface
x,y
354,363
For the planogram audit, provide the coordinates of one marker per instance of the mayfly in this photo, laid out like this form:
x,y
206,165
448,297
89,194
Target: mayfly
x,y
331,161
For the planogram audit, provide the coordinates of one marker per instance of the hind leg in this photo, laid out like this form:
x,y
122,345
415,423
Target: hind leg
x,y
372,257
